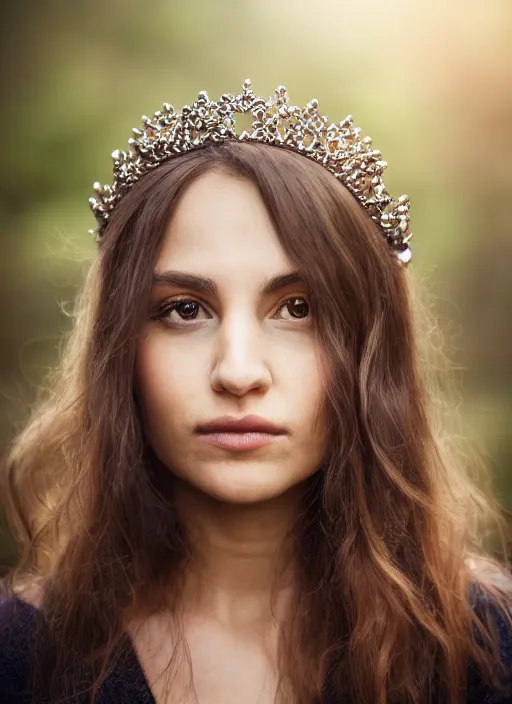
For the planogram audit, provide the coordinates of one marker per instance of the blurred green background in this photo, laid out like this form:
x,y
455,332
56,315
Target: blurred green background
x,y
429,80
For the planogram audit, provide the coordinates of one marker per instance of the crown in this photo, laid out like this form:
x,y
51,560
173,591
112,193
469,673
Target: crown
x,y
338,147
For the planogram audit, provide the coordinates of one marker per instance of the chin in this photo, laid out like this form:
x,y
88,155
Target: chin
x,y
242,496
242,485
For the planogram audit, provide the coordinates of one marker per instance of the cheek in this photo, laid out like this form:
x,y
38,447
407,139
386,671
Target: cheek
x,y
302,379
303,373
317,398
165,381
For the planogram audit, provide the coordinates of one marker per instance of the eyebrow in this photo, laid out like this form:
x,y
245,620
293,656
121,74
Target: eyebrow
x,y
205,285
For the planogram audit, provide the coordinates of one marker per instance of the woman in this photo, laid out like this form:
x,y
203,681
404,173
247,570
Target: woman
x,y
240,487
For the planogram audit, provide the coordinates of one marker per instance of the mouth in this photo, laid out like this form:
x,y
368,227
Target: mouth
x,y
240,434
239,442
247,424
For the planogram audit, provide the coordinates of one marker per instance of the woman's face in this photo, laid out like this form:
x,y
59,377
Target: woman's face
x,y
229,333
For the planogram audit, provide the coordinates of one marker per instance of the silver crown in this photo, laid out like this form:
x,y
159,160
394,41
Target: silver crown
x,y
338,147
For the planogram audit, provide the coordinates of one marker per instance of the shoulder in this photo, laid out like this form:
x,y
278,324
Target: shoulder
x,y
486,606
499,618
17,630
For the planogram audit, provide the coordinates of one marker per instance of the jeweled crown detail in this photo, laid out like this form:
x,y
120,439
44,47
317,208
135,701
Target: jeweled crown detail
x,y
338,147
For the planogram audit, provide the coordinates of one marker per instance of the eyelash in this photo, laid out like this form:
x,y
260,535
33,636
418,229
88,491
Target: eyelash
x,y
167,307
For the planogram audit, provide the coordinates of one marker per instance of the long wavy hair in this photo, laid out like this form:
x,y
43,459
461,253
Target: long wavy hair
x,y
390,537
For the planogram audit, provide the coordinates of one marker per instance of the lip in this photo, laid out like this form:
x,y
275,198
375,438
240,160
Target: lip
x,y
247,424
240,442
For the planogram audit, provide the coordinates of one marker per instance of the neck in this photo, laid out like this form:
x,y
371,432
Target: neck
x,y
243,555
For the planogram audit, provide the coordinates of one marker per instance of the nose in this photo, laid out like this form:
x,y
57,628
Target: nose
x,y
240,365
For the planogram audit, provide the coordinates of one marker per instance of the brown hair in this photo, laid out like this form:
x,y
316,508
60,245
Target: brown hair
x,y
391,523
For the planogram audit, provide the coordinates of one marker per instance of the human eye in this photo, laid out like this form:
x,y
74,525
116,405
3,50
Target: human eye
x,y
179,311
296,308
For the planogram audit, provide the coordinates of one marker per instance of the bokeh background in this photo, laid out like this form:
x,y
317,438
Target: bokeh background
x,y
429,80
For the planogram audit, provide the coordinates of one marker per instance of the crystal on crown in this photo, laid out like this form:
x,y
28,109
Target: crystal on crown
x,y
338,147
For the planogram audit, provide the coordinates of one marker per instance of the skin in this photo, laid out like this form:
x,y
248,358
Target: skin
x,y
239,352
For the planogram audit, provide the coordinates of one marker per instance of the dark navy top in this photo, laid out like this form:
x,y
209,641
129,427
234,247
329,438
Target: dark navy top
x,y
127,683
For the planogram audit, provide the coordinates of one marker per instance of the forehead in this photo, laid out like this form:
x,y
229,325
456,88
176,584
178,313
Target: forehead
x,y
221,228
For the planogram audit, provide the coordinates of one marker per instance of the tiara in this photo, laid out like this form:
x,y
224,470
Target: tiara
x,y
338,147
